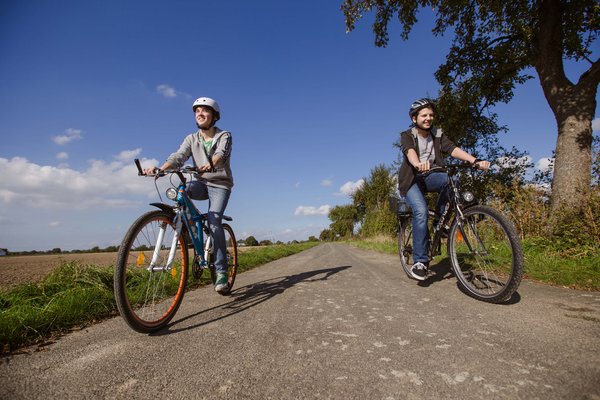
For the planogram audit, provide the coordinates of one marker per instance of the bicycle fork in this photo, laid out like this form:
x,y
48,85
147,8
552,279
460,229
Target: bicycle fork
x,y
153,267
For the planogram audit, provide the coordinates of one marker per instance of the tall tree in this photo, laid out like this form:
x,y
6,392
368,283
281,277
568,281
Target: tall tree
x,y
343,219
496,43
372,199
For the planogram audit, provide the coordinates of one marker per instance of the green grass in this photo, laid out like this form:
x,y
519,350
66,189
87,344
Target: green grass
x,y
543,264
76,294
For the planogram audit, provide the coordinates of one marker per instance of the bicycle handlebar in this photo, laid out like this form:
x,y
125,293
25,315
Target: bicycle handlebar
x,y
449,167
179,172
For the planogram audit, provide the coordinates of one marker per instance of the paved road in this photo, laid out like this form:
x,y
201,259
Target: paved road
x,y
333,322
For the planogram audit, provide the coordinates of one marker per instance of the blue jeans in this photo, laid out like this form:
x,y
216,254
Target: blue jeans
x,y
434,182
217,201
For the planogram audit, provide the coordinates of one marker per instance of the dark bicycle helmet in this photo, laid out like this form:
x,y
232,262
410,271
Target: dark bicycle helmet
x,y
418,105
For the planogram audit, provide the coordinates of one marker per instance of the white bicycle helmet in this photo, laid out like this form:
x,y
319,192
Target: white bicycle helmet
x,y
418,105
208,102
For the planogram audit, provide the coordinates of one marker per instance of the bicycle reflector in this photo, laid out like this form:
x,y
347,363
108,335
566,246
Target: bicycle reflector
x,y
171,193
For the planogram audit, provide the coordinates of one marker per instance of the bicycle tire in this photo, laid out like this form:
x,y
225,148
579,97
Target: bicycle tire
x,y
486,254
232,260
405,246
148,299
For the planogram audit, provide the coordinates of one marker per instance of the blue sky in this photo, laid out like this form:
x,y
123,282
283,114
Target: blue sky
x,y
89,85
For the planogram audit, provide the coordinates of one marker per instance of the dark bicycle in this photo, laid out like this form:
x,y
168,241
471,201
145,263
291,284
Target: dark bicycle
x,y
152,265
483,244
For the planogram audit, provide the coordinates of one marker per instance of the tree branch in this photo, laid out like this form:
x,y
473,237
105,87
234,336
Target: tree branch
x,y
591,77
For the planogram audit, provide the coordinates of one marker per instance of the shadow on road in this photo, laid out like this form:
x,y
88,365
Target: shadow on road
x,y
438,272
443,270
251,295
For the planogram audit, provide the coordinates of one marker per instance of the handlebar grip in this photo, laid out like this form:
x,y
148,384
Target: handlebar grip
x,y
139,167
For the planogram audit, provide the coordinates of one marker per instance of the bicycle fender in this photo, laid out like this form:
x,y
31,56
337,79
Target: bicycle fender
x,y
164,207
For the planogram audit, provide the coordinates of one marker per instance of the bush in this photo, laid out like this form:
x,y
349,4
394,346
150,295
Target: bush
x,y
379,222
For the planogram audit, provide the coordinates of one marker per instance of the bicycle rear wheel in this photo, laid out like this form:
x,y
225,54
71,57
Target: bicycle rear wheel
x,y
148,286
232,260
405,247
486,254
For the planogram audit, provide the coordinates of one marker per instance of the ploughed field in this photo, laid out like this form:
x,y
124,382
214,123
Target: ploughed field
x,y
22,269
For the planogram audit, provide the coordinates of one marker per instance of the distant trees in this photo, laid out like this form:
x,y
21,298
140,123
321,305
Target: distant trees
x,y
370,209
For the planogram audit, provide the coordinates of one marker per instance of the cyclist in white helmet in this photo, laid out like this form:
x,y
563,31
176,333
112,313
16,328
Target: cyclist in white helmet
x,y
210,150
422,146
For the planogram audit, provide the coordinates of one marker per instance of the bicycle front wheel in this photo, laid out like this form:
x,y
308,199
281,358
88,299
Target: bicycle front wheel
x,y
486,254
231,257
151,272
405,247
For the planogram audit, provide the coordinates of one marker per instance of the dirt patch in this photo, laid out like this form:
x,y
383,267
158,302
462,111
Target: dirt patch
x,y
15,270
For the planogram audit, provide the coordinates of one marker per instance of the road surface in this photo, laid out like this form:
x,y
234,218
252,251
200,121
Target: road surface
x,y
333,322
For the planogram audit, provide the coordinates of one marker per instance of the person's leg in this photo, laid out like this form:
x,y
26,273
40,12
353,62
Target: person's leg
x,y
218,198
438,182
418,204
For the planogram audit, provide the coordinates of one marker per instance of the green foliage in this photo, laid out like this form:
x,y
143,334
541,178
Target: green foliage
x,y
343,219
379,222
372,202
251,241
375,192
327,235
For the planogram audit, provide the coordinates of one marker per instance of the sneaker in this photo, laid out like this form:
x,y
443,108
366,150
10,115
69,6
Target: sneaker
x,y
221,283
419,271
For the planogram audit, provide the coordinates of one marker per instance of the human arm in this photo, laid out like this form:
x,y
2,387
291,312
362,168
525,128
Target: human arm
x,y
207,167
462,155
175,160
413,159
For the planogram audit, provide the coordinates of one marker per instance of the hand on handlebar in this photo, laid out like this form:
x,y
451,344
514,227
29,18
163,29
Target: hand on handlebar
x,y
151,171
482,164
205,168
423,166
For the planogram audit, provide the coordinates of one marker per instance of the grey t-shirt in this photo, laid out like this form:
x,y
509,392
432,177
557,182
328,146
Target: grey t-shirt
x,y
426,150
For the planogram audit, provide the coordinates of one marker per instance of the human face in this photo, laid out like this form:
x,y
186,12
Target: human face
x,y
204,116
424,118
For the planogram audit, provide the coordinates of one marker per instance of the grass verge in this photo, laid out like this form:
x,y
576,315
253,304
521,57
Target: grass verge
x,y
76,294
542,263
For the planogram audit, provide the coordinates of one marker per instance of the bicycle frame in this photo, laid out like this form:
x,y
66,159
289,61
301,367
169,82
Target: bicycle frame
x,y
194,222
185,213
452,210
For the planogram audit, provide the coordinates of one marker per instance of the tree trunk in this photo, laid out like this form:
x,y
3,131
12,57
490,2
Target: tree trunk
x,y
573,106
572,165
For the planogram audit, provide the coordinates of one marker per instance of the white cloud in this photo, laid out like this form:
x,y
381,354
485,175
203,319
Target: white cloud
x,y
167,91
297,185
69,135
544,164
54,224
326,182
6,196
102,184
128,155
309,210
596,125
63,155
350,187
